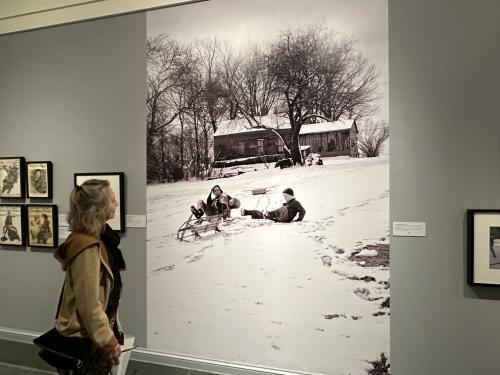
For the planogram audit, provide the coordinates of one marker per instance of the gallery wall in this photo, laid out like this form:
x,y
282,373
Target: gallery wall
x,y
74,95
445,157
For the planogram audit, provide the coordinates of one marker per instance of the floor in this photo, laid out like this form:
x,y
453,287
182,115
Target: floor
x,y
6,369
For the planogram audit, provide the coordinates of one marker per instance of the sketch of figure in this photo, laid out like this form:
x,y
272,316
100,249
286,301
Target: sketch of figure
x,y
44,232
11,178
41,222
38,181
9,230
35,224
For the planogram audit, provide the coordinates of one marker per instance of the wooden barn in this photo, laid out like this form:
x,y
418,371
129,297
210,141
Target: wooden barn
x,y
235,139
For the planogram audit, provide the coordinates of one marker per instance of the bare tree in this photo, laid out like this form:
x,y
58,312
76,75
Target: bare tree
x,y
249,86
350,84
165,74
307,74
173,86
210,71
230,73
256,87
372,138
319,76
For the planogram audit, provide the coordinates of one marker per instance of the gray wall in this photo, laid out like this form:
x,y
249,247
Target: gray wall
x,y
445,157
74,95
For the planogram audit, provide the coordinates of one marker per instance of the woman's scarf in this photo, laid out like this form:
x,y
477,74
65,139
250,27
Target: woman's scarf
x,y
111,240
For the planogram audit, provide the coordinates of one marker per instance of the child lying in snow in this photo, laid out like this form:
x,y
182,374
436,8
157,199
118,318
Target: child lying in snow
x,y
284,214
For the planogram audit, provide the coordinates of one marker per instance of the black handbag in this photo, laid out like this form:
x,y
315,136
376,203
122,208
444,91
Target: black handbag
x,y
66,353
62,352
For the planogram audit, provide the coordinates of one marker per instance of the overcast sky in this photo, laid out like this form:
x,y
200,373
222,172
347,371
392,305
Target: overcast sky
x,y
259,21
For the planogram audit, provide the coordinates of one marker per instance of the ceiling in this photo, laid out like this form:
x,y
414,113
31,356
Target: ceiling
x,y
25,15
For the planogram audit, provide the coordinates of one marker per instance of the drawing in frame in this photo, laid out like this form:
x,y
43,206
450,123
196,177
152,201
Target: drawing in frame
x,y
39,179
12,221
42,225
12,177
116,182
483,246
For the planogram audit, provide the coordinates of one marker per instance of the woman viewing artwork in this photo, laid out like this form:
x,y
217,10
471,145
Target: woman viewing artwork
x,y
93,263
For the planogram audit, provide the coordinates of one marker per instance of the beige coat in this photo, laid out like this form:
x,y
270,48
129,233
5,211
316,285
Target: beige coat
x,y
88,282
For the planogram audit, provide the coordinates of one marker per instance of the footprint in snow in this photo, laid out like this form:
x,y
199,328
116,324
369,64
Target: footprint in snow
x,y
326,260
170,267
195,259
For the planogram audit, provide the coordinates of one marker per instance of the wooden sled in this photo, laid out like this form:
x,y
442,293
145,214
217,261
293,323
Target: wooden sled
x,y
194,228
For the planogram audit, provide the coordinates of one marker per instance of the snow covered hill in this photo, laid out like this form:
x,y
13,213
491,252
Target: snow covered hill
x,y
311,296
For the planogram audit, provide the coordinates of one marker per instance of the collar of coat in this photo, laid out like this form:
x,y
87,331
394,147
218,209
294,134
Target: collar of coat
x,y
75,244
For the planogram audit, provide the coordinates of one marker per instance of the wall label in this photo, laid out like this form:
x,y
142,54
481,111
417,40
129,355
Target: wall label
x,y
64,233
62,220
136,221
408,229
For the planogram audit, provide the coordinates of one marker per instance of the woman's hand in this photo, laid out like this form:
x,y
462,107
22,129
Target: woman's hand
x,y
114,355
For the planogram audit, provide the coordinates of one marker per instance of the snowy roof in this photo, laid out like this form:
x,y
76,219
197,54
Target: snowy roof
x,y
241,125
324,127
236,126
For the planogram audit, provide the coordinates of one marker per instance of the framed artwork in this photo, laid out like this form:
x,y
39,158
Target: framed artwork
x,y
12,220
116,182
39,177
483,246
12,177
42,225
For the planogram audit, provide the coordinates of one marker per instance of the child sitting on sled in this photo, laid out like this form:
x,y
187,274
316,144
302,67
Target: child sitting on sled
x,y
217,203
284,214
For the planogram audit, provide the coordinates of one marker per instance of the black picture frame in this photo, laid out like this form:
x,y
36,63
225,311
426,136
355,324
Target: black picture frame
x,y
39,185
42,225
12,177
117,183
483,247
13,234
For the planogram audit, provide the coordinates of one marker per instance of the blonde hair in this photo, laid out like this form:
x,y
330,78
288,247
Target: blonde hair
x,y
88,207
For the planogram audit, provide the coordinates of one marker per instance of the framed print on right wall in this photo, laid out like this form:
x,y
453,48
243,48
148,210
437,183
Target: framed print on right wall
x,y
483,246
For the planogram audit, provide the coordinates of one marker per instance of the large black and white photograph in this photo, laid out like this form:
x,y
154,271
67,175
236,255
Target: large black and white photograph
x,y
12,177
117,184
268,184
12,222
39,176
42,225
